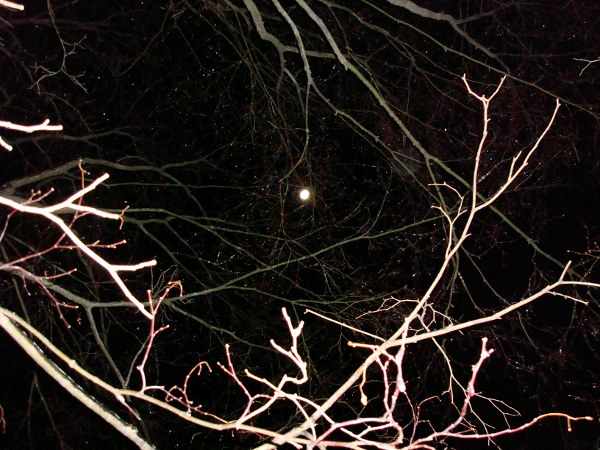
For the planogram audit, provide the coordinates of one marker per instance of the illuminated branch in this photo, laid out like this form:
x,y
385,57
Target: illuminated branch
x,y
401,337
12,5
44,126
10,323
49,212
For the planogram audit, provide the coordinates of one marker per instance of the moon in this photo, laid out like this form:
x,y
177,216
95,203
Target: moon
x,y
304,194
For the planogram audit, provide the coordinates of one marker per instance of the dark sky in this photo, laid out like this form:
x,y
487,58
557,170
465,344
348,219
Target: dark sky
x,y
209,139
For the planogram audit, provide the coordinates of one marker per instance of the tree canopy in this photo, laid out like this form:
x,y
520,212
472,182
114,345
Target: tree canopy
x,y
438,286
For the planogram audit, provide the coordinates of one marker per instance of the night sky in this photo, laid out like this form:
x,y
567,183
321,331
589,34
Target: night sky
x,y
209,137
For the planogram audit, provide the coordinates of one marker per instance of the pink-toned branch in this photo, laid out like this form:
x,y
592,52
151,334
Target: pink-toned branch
x,y
456,239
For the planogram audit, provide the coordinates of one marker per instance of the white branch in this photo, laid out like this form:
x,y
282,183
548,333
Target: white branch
x,y
26,129
48,213
12,5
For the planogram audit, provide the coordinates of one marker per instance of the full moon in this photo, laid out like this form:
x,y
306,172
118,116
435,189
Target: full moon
x,y
304,194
